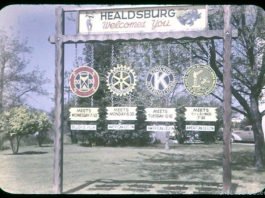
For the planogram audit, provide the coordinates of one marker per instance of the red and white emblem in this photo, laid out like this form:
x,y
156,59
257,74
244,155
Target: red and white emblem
x,y
84,81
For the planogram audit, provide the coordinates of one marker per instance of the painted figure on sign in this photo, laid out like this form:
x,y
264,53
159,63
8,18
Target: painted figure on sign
x,y
88,22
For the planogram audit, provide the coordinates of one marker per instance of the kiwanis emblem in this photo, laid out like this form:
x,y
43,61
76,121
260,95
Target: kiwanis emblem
x,y
160,80
200,80
84,81
121,80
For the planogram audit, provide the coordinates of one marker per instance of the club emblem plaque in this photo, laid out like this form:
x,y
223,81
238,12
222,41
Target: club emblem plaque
x,y
160,80
84,81
200,80
121,80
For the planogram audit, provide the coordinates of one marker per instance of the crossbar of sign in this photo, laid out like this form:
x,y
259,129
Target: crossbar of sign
x,y
200,128
83,127
201,114
162,128
121,127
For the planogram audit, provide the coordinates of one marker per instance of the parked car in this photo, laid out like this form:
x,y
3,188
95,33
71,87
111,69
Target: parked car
x,y
245,135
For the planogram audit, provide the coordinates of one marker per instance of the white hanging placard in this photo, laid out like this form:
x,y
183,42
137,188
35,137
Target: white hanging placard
x,y
121,127
200,128
160,114
162,128
121,113
200,114
83,127
84,114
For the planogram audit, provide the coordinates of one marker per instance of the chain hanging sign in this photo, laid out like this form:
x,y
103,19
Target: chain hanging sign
x,y
121,113
147,19
84,127
160,114
162,128
200,114
121,126
84,114
200,128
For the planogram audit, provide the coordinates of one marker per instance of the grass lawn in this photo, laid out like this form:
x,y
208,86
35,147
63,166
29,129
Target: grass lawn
x,y
189,168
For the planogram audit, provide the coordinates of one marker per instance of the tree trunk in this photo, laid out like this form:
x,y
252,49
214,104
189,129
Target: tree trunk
x,y
256,121
14,141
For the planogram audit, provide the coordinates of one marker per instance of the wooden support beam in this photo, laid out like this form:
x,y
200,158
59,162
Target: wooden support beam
x,y
82,38
59,103
227,102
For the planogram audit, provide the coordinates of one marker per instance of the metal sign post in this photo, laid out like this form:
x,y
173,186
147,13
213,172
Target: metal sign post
x,y
90,34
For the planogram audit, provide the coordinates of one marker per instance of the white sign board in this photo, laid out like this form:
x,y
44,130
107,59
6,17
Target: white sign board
x,y
85,127
160,114
200,128
163,128
200,114
84,114
121,127
143,19
121,113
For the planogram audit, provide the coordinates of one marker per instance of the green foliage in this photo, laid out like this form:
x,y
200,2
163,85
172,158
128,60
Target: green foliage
x,y
43,122
15,79
181,134
20,121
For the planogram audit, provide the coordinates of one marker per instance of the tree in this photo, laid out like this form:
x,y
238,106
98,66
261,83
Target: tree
x,y
13,63
248,65
20,121
17,122
248,57
43,125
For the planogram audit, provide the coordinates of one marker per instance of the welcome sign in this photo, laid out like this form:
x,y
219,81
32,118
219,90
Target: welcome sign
x,y
143,20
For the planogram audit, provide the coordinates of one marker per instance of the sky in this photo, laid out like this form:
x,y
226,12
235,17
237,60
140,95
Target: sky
x,y
36,23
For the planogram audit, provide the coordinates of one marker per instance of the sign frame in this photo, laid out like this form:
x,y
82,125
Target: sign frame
x,y
59,39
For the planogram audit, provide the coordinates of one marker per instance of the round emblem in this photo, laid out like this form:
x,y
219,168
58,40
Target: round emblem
x,y
121,80
84,81
200,80
160,80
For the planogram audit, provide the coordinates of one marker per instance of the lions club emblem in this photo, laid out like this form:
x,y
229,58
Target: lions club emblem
x,y
200,80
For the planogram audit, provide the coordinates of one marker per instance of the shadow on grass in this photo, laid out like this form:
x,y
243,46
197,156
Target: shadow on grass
x,y
29,153
80,187
160,186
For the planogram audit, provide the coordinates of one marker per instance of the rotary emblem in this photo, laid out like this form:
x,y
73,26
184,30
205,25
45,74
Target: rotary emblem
x,y
121,80
160,80
84,81
200,80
